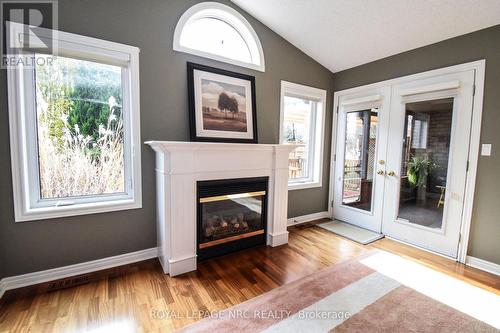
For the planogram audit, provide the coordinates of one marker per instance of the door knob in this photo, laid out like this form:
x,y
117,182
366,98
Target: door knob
x,y
381,162
380,172
391,173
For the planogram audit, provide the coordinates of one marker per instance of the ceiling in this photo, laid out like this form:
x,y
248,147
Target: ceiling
x,y
341,34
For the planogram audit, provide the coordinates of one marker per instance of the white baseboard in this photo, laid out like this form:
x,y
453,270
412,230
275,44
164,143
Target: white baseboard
x,y
483,265
29,279
307,218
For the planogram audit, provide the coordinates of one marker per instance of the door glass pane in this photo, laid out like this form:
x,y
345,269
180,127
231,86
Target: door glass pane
x,y
359,158
424,168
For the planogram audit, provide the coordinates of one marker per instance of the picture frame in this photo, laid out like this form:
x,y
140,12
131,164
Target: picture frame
x,y
222,105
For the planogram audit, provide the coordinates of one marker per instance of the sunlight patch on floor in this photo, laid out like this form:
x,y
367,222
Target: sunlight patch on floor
x,y
473,301
125,326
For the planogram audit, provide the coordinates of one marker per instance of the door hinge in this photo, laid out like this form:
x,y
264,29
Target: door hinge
x,y
474,90
337,110
334,157
459,237
331,203
467,167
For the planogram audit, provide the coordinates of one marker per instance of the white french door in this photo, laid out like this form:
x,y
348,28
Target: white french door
x,y
363,120
427,161
400,163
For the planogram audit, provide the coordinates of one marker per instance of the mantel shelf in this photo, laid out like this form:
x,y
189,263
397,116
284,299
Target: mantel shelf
x,y
163,146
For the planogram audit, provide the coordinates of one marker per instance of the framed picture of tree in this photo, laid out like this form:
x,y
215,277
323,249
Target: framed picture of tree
x,y
221,105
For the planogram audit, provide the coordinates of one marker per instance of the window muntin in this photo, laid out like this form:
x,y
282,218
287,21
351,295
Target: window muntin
x,y
119,66
219,32
302,125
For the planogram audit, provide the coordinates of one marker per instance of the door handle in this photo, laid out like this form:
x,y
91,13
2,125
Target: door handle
x,y
391,173
380,172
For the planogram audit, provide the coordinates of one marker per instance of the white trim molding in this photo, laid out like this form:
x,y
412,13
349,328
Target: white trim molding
x,y
232,18
362,100
452,85
53,274
307,218
317,131
474,146
483,265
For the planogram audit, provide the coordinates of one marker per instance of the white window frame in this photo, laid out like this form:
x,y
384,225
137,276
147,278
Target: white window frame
x,y
28,205
231,17
317,137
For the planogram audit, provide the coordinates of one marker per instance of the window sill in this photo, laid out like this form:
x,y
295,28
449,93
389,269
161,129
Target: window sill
x,y
34,214
303,186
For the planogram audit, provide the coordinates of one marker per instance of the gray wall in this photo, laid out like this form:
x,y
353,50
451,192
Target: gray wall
x,y
485,44
33,246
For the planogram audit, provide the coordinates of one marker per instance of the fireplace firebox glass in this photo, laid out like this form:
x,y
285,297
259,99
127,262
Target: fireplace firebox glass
x,y
231,216
231,212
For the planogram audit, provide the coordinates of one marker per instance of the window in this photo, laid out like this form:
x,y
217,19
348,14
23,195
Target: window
x,y
420,131
216,31
74,121
302,125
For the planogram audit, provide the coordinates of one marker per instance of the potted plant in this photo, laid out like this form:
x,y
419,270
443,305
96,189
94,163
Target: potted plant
x,y
418,170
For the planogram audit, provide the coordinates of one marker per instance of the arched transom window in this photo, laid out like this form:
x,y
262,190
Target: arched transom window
x,y
217,31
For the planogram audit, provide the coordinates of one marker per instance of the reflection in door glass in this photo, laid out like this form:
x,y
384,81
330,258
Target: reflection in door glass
x,y
424,168
359,158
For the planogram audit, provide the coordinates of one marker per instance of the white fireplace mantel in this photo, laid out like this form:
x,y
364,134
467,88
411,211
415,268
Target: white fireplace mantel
x,y
180,165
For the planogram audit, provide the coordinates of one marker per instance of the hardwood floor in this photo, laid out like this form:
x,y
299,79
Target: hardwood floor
x,y
139,297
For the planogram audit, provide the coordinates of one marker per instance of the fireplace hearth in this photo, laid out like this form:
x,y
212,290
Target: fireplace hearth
x,y
231,215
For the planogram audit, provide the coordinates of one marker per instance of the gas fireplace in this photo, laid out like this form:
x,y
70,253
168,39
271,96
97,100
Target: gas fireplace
x,y
236,213
232,215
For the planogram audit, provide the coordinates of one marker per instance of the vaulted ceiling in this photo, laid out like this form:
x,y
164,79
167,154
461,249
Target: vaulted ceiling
x,y
341,34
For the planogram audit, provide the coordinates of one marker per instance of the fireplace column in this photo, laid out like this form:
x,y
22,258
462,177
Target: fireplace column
x,y
278,202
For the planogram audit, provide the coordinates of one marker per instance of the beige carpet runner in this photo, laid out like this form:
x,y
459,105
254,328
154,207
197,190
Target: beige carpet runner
x,y
377,292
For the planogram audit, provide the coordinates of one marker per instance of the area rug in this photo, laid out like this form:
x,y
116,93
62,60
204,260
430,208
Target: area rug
x,y
351,232
377,292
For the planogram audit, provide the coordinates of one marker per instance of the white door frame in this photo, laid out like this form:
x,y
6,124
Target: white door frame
x,y
368,99
458,87
474,146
